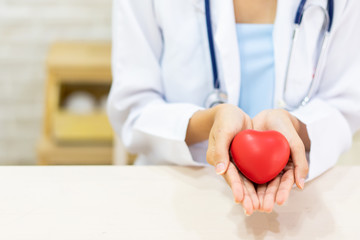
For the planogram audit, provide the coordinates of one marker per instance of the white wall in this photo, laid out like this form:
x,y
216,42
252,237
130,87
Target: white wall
x,y
27,28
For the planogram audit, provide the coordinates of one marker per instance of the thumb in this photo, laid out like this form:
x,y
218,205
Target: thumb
x,y
218,150
300,164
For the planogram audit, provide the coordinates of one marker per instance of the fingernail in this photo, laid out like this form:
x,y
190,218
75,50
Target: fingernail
x,y
302,183
220,168
246,214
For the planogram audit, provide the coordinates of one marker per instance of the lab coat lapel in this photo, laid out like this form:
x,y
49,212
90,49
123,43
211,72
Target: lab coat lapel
x,y
312,24
282,35
311,32
301,67
226,46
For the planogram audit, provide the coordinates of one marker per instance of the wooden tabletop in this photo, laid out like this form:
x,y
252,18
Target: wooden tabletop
x,y
127,202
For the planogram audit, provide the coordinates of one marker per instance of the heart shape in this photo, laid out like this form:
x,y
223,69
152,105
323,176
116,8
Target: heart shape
x,y
260,156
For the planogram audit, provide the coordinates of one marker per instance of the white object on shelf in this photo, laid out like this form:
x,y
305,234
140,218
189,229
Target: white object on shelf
x,y
80,103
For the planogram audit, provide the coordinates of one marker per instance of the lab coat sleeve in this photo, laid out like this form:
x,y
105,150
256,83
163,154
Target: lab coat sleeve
x,y
137,109
333,115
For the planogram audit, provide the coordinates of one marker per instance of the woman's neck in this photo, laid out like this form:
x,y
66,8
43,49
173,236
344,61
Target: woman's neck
x,y
255,11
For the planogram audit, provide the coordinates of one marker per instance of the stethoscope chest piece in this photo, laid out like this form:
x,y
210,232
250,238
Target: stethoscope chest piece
x,y
216,97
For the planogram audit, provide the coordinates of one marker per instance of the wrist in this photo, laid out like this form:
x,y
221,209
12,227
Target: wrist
x,y
301,129
199,126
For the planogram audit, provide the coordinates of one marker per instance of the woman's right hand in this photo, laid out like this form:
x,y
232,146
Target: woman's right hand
x,y
229,120
220,124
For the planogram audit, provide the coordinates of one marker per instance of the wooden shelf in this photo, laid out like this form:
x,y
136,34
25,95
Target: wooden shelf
x,y
51,153
70,138
77,56
74,128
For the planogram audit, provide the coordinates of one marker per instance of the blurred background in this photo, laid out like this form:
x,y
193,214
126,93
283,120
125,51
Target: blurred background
x,y
52,54
55,75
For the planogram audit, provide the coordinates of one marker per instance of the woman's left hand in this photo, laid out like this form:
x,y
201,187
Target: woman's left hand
x,y
278,189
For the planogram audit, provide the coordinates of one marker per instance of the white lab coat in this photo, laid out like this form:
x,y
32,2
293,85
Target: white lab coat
x,y
162,74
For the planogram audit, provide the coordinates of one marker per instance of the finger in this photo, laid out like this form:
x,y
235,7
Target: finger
x,y
248,123
240,192
218,149
252,193
261,194
286,183
247,203
271,190
235,182
301,166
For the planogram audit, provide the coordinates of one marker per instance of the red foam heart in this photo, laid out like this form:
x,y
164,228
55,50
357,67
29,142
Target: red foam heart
x,y
260,156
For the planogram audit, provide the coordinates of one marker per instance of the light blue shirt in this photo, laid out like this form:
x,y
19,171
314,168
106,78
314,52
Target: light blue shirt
x,y
257,67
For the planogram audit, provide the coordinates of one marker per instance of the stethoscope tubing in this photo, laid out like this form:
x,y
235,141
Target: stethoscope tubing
x,y
211,45
218,96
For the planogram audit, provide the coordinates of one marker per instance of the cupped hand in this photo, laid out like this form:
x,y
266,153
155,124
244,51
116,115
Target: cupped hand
x,y
228,121
278,189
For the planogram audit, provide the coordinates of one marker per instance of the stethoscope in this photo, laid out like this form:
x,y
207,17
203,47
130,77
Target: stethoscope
x,y
217,96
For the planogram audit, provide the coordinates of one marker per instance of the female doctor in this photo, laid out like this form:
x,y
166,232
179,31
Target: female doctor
x,y
163,75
